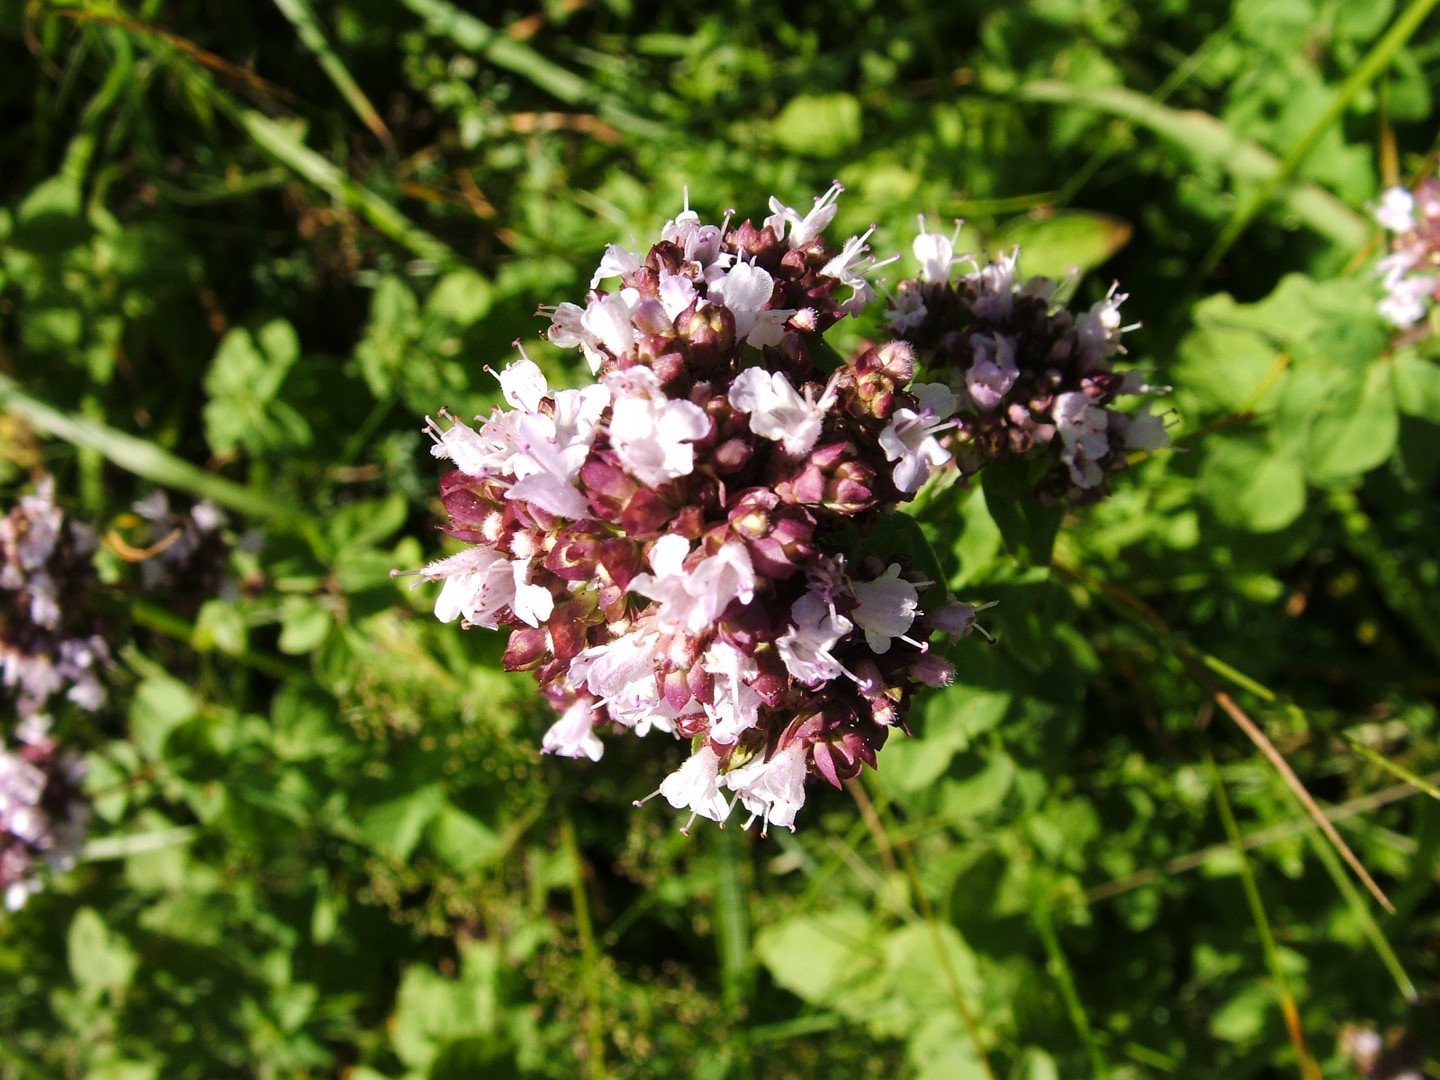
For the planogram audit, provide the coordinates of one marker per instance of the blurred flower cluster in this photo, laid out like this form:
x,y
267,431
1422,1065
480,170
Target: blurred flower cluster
x,y
1033,381
1411,272
43,813
681,545
48,638
187,554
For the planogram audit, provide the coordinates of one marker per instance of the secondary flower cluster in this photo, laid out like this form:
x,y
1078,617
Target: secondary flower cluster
x,y
664,542
47,639
1032,381
1411,272
42,811
187,554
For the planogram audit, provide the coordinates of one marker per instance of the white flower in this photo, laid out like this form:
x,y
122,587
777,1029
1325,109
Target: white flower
x,y
1099,329
888,606
993,372
737,705
477,453
573,735
480,583
649,432
995,298
616,262
677,293
696,786
910,439
806,646
1396,211
773,790
746,290
622,674
777,411
1082,426
935,253
907,308
1141,430
699,243
523,384
804,231
846,268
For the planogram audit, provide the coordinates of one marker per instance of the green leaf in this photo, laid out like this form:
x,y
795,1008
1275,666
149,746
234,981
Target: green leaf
x,y
243,381
949,720
1417,385
965,799
1027,528
1208,142
161,704
433,1012
1252,484
461,840
304,623
818,125
396,826
817,956
477,1056
1069,241
1356,431
220,625
1242,1018
100,961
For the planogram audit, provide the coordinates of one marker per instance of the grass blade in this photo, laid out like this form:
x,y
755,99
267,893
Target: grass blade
x,y
732,937
590,954
141,457
313,38
286,147
1369,69
1368,925
446,20
1209,140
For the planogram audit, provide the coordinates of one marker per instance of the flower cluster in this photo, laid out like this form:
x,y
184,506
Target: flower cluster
x,y
47,638
186,554
1411,272
43,814
1032,381
663,542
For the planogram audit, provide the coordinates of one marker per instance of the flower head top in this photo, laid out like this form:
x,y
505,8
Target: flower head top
x,y
1031,381
1411,272
685,307
661,543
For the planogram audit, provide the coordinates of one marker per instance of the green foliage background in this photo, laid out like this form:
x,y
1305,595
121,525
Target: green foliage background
x,y
246,247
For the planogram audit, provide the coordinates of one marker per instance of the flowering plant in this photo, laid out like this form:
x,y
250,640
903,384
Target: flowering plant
x,y
694,542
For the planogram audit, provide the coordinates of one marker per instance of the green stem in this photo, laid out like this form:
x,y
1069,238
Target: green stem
x,y
1065,979
590,954
1308,1068
732,934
